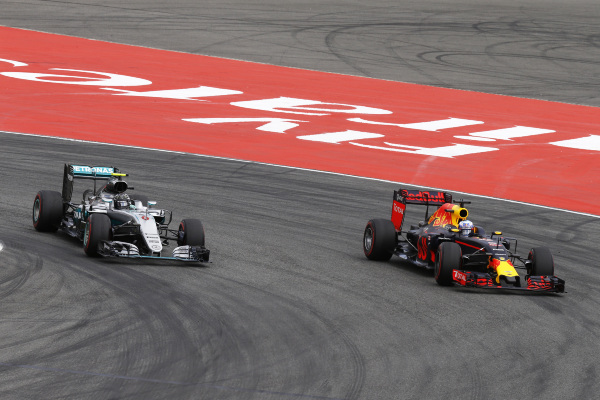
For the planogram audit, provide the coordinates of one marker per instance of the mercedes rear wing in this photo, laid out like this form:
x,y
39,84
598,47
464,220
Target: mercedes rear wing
x,y
402,197
73,172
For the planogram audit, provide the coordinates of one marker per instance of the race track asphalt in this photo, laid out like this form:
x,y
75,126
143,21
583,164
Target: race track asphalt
x,y
290,308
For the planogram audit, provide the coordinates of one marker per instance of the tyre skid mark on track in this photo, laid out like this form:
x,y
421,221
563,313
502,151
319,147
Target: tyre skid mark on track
x,y
357,363
15,278
168,382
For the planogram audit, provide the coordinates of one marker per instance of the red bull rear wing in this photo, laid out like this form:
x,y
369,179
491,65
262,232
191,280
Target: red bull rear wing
x,y
423,197
402,197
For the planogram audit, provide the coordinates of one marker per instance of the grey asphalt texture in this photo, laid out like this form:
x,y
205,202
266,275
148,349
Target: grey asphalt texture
x,y
290,308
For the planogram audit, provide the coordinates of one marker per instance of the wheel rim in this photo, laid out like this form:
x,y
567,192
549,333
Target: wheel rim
x,y
36,210
181,234
86,235
368,239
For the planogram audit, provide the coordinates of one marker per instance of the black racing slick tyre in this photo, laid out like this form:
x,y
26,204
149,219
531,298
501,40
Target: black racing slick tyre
x,y
191,232
47,210
379,240
448,258
97,229
542,262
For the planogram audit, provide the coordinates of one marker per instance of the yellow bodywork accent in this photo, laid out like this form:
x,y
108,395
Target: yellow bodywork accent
x,y
505,268
456,214
450,214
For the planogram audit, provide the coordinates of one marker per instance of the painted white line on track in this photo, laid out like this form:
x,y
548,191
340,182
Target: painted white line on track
x,y
1,246
301,169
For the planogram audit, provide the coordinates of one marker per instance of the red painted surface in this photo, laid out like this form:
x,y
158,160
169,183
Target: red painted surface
x,y
529,169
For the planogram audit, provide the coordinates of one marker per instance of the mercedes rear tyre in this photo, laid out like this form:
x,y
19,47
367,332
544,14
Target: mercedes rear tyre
x,y
191,232
97,229
542,263
379,240
447,259
47,210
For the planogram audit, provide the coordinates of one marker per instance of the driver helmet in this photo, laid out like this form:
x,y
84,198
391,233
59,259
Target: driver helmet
x,y
465,227
121,201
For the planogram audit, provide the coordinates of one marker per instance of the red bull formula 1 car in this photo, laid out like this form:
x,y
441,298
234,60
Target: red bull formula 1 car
x,y
112,223
465,257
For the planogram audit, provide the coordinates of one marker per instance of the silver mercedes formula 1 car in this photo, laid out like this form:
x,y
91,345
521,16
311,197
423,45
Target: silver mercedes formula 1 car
x,y
112,223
